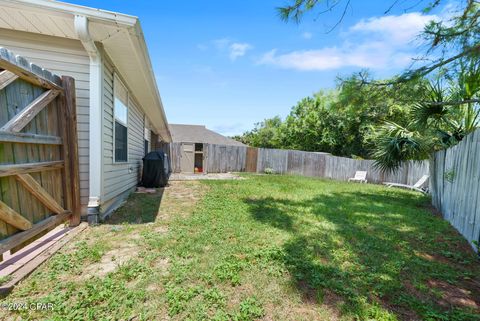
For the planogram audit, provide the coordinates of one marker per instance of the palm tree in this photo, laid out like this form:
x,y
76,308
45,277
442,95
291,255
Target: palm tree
x,y
448,111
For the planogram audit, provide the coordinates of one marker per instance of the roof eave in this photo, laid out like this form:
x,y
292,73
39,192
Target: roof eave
x,y
137,36
136,43
91,13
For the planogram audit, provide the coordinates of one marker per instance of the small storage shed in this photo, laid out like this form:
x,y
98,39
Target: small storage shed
x,y
188,148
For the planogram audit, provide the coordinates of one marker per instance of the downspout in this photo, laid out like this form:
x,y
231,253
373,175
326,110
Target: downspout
x,y
95,119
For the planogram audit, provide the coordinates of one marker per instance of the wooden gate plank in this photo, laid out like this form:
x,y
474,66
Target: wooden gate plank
x,y
70,103
12,95
39,192
28,72
25,116
13,218
64,153
29,267
27,138
6,78
15,169
37,228
30,208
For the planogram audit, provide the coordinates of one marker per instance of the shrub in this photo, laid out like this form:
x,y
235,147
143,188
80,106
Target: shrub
x,y
269,171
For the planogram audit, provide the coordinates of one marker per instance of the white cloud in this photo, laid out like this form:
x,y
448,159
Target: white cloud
x,y
403,28
376,43
233,49
238,50
322,59
307,35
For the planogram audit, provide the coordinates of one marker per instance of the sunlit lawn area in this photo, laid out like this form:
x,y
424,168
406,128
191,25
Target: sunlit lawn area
x,y
266,247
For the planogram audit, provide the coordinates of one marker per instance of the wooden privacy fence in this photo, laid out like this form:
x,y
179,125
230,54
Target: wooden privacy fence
x,y
216,158
39,180
221,159
325,165
455,185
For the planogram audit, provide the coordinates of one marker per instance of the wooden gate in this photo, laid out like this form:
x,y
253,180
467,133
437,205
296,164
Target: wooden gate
x,y
251,162
39,174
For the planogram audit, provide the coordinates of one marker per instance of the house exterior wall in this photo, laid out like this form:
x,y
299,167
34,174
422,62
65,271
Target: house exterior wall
x,y
119,178
68,57
62,57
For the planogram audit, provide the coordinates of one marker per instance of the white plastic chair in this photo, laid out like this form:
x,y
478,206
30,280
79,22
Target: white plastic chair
x,y
416,187
360,176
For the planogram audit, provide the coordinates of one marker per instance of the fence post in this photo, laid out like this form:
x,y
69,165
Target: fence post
x,y
70,106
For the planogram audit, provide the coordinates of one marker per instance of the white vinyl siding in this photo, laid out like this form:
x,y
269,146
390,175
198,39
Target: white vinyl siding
x,y
68,57
62,57
120,177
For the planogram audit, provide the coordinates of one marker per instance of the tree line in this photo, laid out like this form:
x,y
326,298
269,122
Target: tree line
x,y
394,120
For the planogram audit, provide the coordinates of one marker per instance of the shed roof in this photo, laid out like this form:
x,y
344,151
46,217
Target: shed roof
x,y
121,36
199,134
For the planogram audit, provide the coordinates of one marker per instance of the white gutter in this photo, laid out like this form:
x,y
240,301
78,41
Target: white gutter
x,y
69,8
95,119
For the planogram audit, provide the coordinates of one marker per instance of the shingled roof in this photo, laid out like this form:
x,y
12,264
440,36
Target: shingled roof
x,y
199,134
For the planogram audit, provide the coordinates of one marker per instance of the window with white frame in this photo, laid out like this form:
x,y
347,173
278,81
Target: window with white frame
x,y
121,121
146,138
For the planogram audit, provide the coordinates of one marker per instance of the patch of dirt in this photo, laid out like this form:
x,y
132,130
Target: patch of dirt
x,y
463,295
110,261
162,229
180,198
456,243
453,295
309,294
236,294
332,302
432,257
136,237
403,313
414,291
297,312
211,176
162,265
432,209
329,309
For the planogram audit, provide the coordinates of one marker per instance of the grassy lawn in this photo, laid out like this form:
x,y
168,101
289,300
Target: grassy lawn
x,y
267,247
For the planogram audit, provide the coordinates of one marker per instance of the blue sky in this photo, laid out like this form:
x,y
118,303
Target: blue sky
x,y
230,64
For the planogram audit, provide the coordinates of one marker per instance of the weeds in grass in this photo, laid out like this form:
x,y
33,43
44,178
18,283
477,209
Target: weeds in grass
x,y
82,254
5,279
279,247
250,309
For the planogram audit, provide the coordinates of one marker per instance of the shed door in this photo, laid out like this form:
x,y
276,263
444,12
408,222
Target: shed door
x,y
187,160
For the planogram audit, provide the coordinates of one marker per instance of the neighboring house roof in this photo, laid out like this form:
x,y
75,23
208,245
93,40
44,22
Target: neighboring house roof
x,y
120,35
199,134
